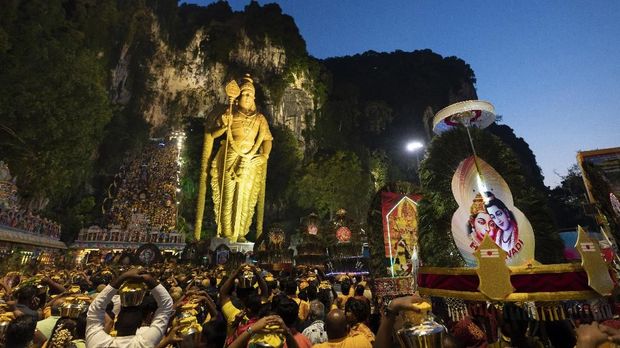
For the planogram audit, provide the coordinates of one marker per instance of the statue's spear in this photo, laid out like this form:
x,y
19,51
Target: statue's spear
x,y
232,91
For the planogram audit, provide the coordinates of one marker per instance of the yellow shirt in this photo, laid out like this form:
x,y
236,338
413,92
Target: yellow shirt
x,y
362,329
230,313
304,308
357,341
342,300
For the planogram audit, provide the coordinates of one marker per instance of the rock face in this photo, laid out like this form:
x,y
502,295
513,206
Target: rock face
x,y
295,109
181,83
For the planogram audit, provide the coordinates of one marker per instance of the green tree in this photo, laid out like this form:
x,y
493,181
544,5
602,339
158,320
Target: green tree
x,y
568,199
333,182
53,104
379,167
283,166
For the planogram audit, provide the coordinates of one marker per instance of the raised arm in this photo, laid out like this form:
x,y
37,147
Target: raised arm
x,y
202,296
57,288
221,126
157,330
262,284
227,287
242,340
384,334
95,319
210,306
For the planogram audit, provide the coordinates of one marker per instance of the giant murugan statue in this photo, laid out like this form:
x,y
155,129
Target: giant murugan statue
x,y
238,170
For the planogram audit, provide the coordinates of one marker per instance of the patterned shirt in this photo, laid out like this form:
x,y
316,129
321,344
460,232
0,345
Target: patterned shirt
x,y
316,332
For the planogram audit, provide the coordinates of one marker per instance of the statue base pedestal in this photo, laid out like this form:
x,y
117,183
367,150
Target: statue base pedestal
x,y
242,247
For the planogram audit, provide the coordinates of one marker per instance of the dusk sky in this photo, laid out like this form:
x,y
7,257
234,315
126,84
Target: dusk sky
x,y
551,68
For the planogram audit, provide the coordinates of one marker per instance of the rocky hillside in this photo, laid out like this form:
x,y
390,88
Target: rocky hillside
x,y
183,77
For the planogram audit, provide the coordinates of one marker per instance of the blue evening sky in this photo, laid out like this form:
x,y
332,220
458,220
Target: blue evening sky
x,y
551,68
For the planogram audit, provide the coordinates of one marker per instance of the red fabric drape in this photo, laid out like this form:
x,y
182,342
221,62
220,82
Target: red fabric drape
x,y
526,283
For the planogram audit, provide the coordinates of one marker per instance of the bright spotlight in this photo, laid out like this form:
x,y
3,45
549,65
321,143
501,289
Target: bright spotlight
x,y
413,146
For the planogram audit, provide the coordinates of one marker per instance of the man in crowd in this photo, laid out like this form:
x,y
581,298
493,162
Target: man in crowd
x,y
337,329
130,321
290,289
20,332
316,331
28,302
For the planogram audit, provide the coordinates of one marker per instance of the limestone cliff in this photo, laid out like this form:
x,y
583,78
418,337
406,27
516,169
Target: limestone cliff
x,y
187,82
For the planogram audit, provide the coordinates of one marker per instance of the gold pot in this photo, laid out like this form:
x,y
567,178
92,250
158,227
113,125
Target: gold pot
x,y
73,309
246,279
132,294
426,334
5,320
189,326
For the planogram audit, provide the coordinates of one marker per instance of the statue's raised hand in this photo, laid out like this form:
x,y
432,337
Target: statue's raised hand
x,y
226,118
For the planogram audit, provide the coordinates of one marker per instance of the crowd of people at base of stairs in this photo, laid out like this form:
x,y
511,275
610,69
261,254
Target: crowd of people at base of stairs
x,y
147,186
199,306
25,220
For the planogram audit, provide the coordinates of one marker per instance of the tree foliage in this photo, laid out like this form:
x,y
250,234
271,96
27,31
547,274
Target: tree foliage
x,y
333,182
568,201
53,101
377,102
282,172
61,135
523,152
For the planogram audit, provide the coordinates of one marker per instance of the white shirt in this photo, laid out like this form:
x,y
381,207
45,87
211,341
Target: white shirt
x,y
146,337
316,332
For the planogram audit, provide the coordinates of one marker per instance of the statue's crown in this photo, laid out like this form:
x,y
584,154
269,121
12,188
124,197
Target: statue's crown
x,y
247,84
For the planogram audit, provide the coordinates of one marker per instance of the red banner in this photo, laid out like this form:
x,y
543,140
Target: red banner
x,y
400,229
527,283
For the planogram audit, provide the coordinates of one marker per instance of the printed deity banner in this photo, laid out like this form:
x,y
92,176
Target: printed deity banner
x,y
486,206
400,229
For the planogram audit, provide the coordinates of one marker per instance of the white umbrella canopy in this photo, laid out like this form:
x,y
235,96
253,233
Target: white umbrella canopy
x,y
469,113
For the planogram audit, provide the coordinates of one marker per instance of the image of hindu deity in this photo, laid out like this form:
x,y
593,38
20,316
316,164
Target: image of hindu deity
x,y
403,226
238,171
507,229
486,207
480,222
402,261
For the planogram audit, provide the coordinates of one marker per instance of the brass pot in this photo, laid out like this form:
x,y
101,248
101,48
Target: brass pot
x,y
428,334
4,324
132,294
189,330
246,280
73,309
5,320
189,326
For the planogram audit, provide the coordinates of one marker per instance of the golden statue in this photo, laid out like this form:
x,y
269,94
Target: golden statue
x,y
239,168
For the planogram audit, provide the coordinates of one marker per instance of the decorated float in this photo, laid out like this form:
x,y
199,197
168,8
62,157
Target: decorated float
x,y
472,251
346,251
272,252
311,251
